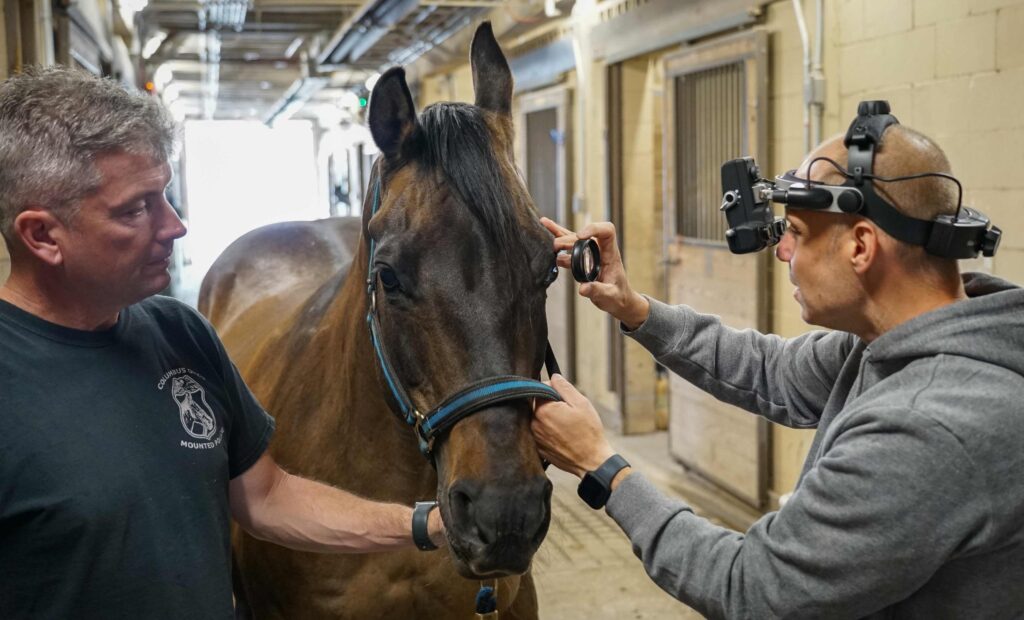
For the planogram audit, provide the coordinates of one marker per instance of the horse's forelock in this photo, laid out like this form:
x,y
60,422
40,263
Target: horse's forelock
x,y
458,143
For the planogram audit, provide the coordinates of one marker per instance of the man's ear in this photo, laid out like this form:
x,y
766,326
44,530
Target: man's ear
x,y
37,230
864,245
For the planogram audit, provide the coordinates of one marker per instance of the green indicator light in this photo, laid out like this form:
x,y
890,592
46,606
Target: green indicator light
x,y
362,102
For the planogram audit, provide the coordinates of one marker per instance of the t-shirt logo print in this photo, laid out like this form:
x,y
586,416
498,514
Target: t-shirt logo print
x,y
196,415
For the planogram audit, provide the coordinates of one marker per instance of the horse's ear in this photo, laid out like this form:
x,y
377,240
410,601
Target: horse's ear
x,y
392,113
492,79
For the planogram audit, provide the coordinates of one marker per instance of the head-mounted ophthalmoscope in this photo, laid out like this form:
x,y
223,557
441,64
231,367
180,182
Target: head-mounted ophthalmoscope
x,y
747,198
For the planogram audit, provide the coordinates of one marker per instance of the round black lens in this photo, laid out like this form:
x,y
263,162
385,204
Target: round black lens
x,y
586,260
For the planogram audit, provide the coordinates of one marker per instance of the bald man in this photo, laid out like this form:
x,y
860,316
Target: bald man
x,y
911,501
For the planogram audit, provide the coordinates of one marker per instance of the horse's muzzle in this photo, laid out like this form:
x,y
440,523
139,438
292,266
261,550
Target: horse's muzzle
x,y
493,528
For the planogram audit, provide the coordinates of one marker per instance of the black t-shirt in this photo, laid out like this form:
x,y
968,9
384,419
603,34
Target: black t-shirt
x,y
116,448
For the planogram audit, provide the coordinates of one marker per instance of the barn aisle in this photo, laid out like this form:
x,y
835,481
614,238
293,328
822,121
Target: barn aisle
x,y
586,570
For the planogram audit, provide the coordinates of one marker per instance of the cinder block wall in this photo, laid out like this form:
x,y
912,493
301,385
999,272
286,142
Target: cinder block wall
x,y
592,325
641,234
954,70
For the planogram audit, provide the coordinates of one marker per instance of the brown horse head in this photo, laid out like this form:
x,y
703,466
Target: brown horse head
x,y
461,269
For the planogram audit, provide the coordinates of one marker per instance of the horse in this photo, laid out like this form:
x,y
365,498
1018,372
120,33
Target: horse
x,y
458,280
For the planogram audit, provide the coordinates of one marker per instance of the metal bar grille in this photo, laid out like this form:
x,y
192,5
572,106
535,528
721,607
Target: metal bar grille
x,y
709,131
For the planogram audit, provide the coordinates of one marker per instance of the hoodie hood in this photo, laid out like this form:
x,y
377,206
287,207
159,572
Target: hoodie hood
x,y
987,326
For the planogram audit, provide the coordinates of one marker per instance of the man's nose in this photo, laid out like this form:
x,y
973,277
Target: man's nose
x,y
171,226
784,251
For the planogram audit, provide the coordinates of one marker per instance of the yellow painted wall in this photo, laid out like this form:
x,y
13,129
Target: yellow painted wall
x,y
592,325
954,70
455,85
642,107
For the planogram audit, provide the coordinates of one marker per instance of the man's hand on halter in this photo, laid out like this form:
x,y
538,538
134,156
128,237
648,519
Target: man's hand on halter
x,y
569,433
611,292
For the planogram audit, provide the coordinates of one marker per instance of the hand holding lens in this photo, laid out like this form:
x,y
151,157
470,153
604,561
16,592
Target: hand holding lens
x,y
586,260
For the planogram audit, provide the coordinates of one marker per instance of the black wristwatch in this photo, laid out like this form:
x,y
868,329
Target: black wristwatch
x,y
596,486
420,532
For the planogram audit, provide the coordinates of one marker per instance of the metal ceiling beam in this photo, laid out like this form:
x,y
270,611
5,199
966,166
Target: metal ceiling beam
x,y
282,27
363,29
281,62
258,5
469,4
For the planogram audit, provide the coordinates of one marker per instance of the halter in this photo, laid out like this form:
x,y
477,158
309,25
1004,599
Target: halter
x,y
466,401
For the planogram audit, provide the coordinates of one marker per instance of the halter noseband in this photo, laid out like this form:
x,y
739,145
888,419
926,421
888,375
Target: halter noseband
x,y
466,401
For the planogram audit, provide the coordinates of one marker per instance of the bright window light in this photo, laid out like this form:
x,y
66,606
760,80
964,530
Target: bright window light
x,y
240,175
163,76
153,44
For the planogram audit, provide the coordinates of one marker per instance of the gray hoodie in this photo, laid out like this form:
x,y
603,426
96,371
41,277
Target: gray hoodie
x,y
911,501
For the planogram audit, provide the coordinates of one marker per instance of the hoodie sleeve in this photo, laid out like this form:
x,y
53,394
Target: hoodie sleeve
x,y
869,525
787,381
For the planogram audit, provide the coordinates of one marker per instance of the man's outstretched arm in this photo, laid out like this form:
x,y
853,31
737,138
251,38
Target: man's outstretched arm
x,y
299,513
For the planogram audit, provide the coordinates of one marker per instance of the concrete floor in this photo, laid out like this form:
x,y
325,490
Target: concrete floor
x,y
586,570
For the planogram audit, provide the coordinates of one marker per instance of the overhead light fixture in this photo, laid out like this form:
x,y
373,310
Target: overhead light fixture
x,y
128,9
293,47
172,92
153,44
300,91
348,100
226,14
177,109
372,80
162,76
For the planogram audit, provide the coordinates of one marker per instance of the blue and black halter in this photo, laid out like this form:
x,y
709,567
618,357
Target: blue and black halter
x,y
468,400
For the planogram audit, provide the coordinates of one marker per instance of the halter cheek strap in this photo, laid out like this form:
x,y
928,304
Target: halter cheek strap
x,y
470,399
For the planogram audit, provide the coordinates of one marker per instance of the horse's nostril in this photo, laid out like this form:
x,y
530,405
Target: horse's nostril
x,y
462,509
462,506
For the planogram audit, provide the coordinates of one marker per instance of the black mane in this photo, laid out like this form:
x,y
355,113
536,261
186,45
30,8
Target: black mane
x,y
457,144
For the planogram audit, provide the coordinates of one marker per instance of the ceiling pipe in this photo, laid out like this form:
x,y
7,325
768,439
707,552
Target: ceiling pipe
x,y
813,77
297,94
360,33
364,29
818,75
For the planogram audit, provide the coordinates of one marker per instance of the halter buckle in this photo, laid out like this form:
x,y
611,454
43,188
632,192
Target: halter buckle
x,y
426,443
373,301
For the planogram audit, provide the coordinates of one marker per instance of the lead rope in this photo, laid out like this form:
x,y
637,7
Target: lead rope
x,y
487,602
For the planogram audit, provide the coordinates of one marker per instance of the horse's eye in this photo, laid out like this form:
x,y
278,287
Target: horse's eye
x,y
388,278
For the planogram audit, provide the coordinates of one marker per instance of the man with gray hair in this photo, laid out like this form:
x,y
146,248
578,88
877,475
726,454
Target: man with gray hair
x,y
130,440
